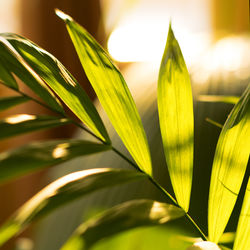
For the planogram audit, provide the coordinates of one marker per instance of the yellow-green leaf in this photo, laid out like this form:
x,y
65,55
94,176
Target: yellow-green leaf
x,y
112,92
47,68
175,105
242,239
128,215
218,98
229,166
62,191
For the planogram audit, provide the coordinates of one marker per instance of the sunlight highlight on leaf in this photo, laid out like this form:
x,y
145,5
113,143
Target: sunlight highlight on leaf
x,y
175,105
229,166
44,67
62,191
242,239
125,216
218,98
112,92
35,156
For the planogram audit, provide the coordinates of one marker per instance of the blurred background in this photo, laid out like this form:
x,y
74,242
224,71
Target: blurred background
x,y
214,38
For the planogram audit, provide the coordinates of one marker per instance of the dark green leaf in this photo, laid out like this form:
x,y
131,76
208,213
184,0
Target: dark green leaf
x,y
14,63
62,191
60,80
229,166
175,105
6,77
8,102
112,92
23,123
35,156
128,215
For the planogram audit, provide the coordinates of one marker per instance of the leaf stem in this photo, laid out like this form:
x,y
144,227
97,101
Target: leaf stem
x,y
151,179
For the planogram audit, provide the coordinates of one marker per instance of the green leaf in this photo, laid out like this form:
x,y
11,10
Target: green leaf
x,y
175,105
8,102
128,215
35,156
62,191
61,81
112,92
242,239
13,62
6,77
23,123
217,124
229,166
218,98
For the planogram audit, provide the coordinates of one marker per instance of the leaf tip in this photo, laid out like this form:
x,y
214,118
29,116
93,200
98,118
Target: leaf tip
x,y
62,15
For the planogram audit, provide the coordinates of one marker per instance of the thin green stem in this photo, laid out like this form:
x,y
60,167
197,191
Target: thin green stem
x,y
151,179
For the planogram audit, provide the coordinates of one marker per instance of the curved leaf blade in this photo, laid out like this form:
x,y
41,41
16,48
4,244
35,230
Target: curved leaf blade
x,y
175,105
11,101
24,123
112,92
14,63
6,77
242,239
229,166
61,81
36,156
62,191
128,215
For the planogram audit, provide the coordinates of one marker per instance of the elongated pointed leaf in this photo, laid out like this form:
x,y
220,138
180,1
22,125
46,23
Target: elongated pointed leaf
x,y
175,105
218,98
242,239
112,92
61,81
14,63
122,217
229,166
23,123
35,156
62,191
6,77
8,102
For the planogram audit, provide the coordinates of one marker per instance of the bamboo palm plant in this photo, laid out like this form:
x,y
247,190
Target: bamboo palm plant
x,y
51,81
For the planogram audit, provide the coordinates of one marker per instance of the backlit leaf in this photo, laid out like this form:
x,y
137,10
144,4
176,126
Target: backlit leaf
x,y
13,62
242,240
229,166
61,81
112,92
38,155
128,215
175,105
23,123
62,191
8,102
218,98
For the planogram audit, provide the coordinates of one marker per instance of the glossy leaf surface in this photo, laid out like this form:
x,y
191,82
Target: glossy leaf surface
x,y
13,62
128,215
112,92
50,70
35,156
62,191
24,123
242,239
175,105
8,102
229,166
